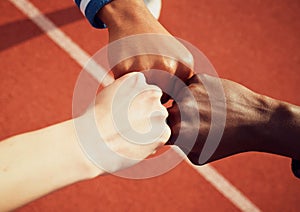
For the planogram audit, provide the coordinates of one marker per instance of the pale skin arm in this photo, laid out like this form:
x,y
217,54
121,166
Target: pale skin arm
x,y
36,163
39,162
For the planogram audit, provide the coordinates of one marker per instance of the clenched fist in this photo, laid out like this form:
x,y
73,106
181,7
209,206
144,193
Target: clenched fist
x,y
246,113
130,120
138,42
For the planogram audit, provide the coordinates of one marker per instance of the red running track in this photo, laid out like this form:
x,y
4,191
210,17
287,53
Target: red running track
x,y
256,43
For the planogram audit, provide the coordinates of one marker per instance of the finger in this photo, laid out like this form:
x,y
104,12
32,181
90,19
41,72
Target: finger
x,y
159,77
194,79
126,89
165,98
184,71
132,79
154,91
174,134
165,135
122,68
174,115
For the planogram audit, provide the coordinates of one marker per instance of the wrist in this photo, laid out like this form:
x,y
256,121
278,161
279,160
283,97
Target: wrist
x,y
118,12
129,17
280,132
89,9
285,130
83,167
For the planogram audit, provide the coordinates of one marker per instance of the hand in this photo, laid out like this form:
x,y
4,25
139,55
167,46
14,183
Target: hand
x,y
36,163
247,113
125,107
131,17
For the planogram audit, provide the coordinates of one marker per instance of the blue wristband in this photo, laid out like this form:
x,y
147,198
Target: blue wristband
x,y
90,8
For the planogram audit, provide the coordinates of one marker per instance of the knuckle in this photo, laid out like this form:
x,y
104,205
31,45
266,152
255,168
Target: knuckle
x,y
186,58
121,68
166,134
134,79
140,78
159,113
164,111
154,88
156,105
170,64
189,59
153,91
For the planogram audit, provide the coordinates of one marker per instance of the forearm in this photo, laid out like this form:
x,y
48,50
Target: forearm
x,y
257,122
120,12
36,163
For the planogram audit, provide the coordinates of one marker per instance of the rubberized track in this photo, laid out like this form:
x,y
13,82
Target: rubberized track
x,y
254,43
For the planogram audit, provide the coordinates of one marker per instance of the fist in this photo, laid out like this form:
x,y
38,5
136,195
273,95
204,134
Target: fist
x,y
131,120
244,112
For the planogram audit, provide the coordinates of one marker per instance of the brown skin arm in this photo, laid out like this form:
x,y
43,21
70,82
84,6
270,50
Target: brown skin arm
x,y
131,17
254,122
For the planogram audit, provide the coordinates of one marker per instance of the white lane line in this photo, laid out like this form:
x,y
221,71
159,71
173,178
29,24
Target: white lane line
x,y
62,40
81,57
217,180
226,188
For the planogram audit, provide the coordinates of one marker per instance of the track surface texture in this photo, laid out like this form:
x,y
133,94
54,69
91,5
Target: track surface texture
x,y
255,43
